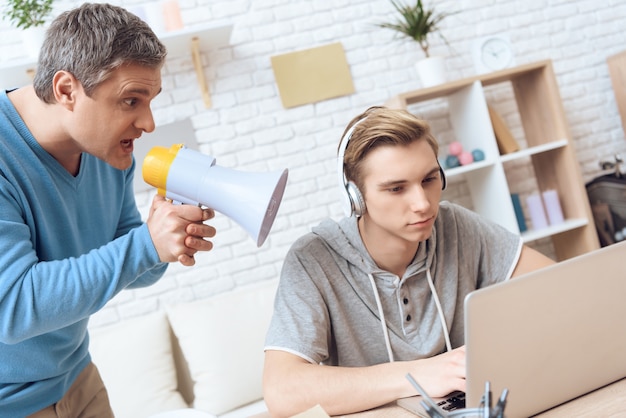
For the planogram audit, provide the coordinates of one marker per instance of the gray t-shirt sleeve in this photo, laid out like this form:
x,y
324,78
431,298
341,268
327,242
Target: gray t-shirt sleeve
x,y
301,324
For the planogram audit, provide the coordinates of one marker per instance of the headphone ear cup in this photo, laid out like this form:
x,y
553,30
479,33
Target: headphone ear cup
x,y
346,201
443,178
351,199
356,199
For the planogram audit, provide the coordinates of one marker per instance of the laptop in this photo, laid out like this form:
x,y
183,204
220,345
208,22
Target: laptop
x,y
548,336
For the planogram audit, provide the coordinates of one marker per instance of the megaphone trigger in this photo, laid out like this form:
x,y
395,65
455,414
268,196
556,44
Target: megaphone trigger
x,y
188,176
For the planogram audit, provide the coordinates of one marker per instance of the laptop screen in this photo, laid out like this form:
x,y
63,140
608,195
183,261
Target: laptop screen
x,y
550,335
546,337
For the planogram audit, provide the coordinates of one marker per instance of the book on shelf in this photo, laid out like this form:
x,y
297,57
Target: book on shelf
x,y
505,139
519,212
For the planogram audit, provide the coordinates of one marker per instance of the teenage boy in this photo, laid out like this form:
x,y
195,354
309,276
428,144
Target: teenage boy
x,y
366,300
72,237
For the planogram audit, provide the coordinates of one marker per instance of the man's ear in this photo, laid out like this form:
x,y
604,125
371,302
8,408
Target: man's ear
x,y
65,88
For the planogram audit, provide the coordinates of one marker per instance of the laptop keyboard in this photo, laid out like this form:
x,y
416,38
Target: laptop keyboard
x,y
454,401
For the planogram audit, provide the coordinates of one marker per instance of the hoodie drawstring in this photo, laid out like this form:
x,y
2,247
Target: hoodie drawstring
x,y
442,318
383,321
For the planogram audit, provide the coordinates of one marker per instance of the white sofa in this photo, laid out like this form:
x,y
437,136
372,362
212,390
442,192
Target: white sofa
x,y
197,359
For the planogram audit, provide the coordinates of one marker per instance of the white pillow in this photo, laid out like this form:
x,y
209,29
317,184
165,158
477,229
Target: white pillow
x,y
135,360
222,339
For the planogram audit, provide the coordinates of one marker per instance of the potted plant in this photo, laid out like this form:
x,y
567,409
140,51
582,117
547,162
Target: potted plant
x,y
31,16
418,23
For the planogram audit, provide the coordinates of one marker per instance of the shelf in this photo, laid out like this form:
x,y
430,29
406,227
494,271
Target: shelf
x,y
457,171
551,230
446,89
192,40
534,150
210,37
464,169
549,150
617,71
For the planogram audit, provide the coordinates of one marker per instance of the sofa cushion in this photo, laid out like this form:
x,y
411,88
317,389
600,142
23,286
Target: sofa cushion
x,y
135,360
222,339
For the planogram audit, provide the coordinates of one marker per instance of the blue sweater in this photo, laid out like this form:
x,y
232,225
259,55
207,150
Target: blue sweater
x,y
67,246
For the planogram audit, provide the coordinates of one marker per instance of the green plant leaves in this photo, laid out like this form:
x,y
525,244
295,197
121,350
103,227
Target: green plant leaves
x,y
27,13
416,22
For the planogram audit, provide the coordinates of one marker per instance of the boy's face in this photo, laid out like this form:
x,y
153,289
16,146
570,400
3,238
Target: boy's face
x,y
402,188
118,112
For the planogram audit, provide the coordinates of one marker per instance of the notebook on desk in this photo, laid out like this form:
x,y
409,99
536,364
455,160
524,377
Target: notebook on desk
x,y
548,336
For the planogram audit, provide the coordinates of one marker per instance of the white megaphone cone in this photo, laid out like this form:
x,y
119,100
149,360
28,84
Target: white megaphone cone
x,y
187,176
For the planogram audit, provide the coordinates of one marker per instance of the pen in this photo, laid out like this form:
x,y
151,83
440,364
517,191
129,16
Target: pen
x,y
498,411
431,407
432,412
487,401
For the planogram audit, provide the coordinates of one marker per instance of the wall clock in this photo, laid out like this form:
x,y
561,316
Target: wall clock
x,y
492,53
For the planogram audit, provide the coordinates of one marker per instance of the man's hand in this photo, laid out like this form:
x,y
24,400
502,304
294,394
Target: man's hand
x,y
442,374
178,231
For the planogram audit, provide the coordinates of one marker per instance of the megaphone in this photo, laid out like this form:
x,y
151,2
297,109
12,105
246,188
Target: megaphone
x,y
188,176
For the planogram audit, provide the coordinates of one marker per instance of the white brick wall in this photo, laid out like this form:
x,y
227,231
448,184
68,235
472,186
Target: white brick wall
x,y
247,128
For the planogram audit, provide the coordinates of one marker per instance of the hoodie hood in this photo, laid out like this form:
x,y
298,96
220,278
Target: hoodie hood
x,y
343,237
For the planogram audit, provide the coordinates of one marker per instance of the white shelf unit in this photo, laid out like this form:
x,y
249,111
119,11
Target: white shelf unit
x,y
210,36
549,148
185,41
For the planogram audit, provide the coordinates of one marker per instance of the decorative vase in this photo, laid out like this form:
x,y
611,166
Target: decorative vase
x,y
33,39
431,71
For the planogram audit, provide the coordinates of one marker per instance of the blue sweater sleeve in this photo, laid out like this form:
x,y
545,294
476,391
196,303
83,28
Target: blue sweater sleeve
x,y
50,294
129,218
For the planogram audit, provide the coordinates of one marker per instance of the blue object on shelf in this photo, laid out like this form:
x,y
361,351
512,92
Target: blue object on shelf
x,y
519,213
452,161
478,154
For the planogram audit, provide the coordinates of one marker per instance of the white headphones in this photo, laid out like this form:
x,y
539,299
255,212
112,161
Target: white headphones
x,y
352,200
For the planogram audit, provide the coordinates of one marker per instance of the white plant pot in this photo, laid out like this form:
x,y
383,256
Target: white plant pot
x,y
431,71
33,39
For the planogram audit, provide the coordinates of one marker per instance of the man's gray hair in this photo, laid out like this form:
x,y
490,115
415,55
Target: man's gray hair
x,y
90,42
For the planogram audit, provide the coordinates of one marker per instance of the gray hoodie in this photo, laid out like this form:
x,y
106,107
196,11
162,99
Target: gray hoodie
x,y
326,309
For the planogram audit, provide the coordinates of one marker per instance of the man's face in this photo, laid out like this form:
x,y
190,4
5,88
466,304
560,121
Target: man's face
x,y
118,112
402,191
